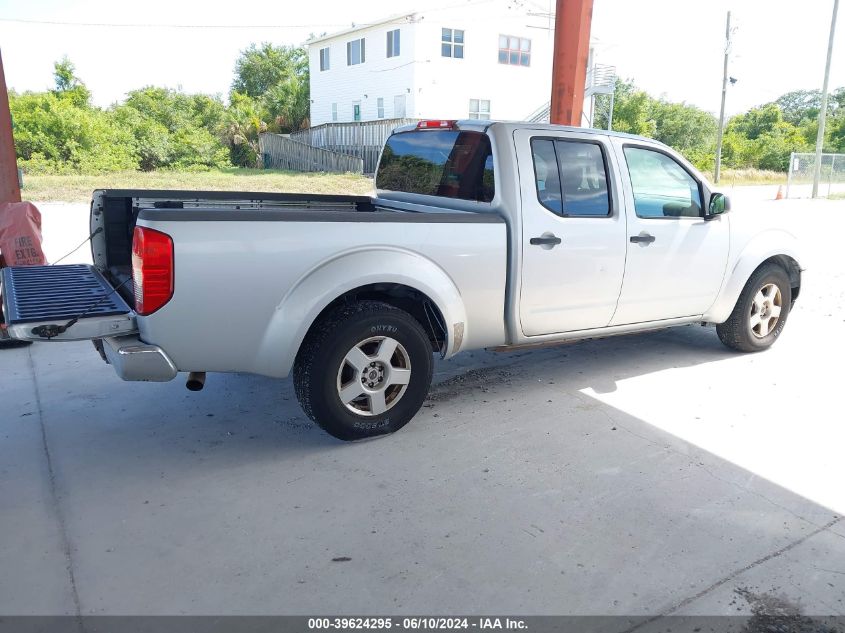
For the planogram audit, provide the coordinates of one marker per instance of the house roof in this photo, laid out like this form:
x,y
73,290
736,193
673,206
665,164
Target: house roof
x,y
402,18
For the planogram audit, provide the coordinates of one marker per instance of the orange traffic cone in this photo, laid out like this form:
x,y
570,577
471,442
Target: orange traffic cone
x,y
779,195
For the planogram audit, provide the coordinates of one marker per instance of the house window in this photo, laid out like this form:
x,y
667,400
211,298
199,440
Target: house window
x,y
452,43
355,52
515,51
324,58
334,112
380,107
393,43
356,110
479,108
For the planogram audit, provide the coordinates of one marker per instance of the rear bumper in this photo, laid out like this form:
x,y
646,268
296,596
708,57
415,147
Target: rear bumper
x,y
135,360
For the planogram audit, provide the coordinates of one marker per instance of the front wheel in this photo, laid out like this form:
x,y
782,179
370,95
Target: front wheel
x,y
760,312
363,370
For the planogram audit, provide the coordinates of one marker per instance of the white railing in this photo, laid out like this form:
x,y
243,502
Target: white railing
x,y
281,152
601,79
363,139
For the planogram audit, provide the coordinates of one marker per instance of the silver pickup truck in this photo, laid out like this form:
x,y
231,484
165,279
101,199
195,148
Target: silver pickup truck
x,y
479,235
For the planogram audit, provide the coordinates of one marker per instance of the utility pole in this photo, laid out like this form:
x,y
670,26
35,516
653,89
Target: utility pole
x,y
817,169
9,188
573,19
724,94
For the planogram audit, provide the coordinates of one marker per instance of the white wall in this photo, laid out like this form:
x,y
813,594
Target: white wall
x,y
378,76
437,86
445,85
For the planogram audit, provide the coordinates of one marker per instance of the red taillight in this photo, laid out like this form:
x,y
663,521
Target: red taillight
x,y
152,269
436,125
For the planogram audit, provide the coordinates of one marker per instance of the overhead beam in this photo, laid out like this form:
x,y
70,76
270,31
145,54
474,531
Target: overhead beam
x,y
569,68
10,190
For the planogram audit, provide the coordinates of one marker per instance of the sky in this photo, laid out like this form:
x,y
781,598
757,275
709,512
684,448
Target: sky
x,y
670,48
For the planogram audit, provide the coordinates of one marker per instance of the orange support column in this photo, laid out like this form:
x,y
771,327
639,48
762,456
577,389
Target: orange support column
x,y
569,69
9,188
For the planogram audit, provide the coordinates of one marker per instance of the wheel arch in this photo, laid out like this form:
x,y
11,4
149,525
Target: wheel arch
x,y
403,279
416,303
773,247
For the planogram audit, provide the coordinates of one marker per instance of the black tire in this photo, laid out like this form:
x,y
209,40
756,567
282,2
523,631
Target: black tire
x,y
737,332
320,365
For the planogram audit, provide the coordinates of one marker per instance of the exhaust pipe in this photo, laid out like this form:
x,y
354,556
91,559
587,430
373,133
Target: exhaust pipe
x,y
196,381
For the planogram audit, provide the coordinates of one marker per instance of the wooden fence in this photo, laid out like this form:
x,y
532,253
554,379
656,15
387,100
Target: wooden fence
x,y
363,139
281,152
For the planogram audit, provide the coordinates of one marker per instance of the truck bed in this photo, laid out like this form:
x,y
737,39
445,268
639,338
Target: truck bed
x,y
114,213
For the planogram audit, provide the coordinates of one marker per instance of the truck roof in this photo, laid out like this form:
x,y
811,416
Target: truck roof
x,y
483,125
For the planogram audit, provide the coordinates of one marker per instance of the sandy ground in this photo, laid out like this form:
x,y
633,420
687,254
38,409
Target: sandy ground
x,y
650,474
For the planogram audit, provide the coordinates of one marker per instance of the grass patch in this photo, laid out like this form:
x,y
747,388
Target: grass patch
x,y
78,188
731,177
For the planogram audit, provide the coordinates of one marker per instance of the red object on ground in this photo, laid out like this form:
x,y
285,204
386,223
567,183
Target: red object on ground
x,y
20,235
573,19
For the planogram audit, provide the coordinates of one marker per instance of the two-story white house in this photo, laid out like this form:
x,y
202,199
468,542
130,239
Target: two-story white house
x,y
490,62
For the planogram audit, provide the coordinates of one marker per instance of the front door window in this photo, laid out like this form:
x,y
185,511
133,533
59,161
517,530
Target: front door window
x,y
662,188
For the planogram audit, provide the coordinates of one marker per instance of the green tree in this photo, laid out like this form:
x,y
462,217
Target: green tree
x,y
68,85
688,129
260,68
55,134
276,78
762,138
242,126
631,111
798,105
757,121
287,105
175,130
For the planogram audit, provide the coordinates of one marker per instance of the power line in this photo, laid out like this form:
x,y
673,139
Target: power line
x,y
172,26
396,20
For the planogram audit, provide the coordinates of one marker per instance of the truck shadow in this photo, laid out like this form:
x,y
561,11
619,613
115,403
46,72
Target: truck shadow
x,y
595,364
551,498
243,416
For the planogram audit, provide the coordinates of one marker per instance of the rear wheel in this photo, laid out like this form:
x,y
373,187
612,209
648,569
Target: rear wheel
x,y
760,313
363,370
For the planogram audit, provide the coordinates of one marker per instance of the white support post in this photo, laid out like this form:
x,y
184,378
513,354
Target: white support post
x,y
789,172
830,176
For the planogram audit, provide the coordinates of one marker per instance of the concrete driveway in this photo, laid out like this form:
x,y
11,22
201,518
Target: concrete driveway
x,y
652,474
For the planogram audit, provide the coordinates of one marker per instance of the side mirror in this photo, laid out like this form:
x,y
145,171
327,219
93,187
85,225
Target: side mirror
x,y
719,204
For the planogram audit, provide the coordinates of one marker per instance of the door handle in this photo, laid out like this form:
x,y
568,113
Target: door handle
x,y
545,240
642,238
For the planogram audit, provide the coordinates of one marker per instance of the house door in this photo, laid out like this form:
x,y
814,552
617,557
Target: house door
x,y
399,107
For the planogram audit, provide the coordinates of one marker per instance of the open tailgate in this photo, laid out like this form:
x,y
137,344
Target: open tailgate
x,y
69,303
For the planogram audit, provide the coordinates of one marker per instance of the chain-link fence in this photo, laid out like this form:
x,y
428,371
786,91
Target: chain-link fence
x,y
799,182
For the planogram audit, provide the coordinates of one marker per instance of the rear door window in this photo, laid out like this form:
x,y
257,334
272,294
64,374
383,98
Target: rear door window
x,y
447,163
571,177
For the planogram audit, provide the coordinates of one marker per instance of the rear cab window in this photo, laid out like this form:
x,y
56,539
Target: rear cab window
x,y
448,163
